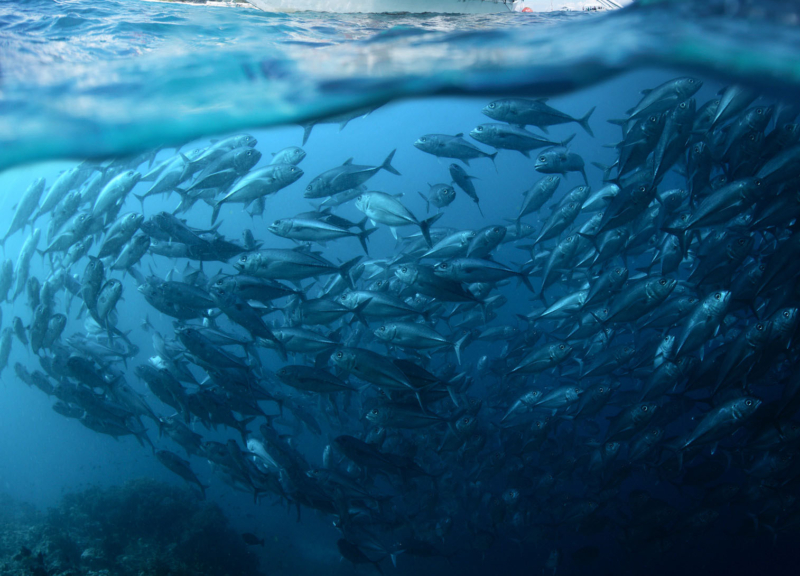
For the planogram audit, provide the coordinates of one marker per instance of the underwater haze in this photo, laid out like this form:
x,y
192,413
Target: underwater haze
x,y
409,294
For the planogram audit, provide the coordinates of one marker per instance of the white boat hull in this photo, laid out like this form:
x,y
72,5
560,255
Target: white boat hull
x,y
435,6
383,6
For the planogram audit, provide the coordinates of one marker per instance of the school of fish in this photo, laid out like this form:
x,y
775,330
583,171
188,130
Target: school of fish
x,y
637,330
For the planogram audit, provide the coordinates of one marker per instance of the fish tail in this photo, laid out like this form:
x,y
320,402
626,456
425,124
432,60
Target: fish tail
x,y
584,122
140,198
307,131
425,227
606,170
362,237
523,276
358,312
457,346
344,270
215,212
427,203
567,141
387,164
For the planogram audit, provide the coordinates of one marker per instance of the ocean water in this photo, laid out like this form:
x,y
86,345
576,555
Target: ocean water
x,y
111,81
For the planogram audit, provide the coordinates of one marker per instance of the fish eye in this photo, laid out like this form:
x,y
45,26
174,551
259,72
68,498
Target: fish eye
x,y
542,158
758,182
479,129
786,314
762,267
561,347
717,296
404,269
759,327
644,408
617,271
491,106
243,259
443,265
383,328
572,205
759,111
748,402
276,222
423,139
374,411
465,421
683,104
309,188
642,189
601,390
663,282
698,148
339,354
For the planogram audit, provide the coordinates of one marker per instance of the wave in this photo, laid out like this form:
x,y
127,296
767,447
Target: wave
x,y
109,78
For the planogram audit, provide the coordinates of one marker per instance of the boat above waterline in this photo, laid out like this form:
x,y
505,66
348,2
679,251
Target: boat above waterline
x,y
437,6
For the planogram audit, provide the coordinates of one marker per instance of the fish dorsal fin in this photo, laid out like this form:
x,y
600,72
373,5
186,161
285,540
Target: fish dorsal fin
x,y
274,153
460,135
348,162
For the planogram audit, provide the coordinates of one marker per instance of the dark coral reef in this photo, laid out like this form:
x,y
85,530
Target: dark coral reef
x,y
142,528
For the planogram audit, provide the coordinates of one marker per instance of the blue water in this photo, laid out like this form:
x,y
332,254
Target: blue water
x,y
112,77
106,79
